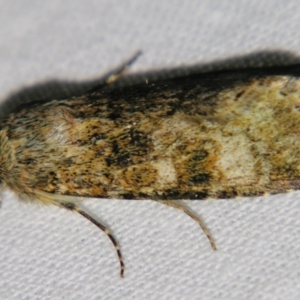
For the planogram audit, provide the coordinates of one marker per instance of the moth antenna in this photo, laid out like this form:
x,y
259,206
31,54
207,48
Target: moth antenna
x,y
193,216
72,206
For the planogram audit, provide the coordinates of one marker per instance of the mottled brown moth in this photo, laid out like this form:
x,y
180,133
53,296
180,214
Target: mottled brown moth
x,y
213,135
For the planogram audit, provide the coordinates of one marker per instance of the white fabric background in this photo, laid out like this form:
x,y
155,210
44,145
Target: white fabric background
x,y
49,253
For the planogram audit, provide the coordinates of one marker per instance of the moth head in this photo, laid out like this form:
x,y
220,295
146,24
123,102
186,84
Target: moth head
x,y
7,156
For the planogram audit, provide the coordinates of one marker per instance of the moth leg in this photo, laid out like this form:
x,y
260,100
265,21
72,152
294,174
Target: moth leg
x,y
117,73
122,68
193,216
74,207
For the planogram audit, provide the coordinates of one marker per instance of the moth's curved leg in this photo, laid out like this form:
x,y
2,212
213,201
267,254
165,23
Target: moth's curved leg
x,y
73,207
193,216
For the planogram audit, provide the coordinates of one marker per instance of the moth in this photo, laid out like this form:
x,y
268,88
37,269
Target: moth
x,y
211,135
